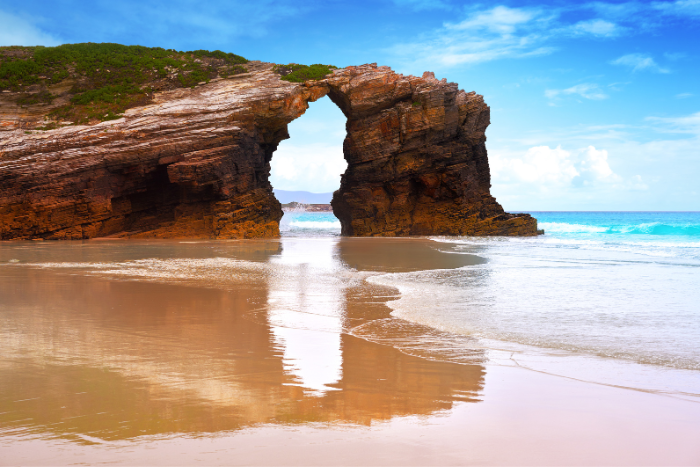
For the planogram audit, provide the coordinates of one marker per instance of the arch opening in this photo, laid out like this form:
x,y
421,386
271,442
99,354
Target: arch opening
x,y
306,168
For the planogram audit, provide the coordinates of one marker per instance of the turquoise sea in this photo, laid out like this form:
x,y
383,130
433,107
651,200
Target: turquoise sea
x,y
668,234
598,290
608,226
662,234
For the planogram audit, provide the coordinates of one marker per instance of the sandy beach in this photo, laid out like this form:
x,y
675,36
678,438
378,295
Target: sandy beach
x,y
170,353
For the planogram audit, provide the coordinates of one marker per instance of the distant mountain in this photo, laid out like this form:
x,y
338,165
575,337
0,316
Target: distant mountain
x,y
305,197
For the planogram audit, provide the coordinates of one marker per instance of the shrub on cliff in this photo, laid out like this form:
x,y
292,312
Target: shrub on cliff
x,y
228,57
299,73
106,79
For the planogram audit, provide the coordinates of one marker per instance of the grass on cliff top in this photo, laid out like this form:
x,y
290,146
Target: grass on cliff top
x,y
299,73
106,79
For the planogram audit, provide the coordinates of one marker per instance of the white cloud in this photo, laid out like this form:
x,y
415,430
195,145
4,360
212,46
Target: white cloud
x,y
675,55
179,24
541,165
646,166
501,31
15,30
684,8
689,124
644,16
483,36
586,90
545,168
596,27
500,20
636,184
617,11
684,95
639,62
311,167
594,165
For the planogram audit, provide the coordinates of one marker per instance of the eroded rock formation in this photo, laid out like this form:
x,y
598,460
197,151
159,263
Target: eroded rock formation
x,y
195,162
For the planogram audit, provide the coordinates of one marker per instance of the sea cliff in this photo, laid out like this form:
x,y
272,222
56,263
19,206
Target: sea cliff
x,y
184,159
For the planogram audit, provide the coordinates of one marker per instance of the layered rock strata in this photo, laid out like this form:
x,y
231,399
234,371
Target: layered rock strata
x,y
195,162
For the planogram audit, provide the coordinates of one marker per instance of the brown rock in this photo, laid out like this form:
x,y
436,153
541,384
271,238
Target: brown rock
x,y
195,163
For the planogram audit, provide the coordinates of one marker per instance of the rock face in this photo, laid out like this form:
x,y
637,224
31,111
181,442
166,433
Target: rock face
x,y
195,163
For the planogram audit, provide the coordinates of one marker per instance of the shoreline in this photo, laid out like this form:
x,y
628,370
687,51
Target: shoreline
x,y
221,350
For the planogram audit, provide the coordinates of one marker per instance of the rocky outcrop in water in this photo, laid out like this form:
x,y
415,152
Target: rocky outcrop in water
x,y
195,162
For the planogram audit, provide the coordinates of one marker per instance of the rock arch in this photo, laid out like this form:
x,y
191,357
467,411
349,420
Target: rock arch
x,y
195,163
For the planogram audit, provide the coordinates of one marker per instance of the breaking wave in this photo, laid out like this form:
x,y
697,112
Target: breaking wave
x,y
647,228
313,224
316,224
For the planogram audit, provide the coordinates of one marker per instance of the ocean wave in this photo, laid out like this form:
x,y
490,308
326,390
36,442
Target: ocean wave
x,y
562,227
315,224
647,228
477,303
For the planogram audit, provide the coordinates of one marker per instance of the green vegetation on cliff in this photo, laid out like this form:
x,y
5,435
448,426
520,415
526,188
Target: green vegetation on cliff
x,y
103,80
299,73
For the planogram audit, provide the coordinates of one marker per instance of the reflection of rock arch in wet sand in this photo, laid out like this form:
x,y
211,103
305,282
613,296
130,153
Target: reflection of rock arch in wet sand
x,y
196,163
160,358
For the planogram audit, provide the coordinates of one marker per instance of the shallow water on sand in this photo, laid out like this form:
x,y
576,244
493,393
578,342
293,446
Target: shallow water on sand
x,y
258,331
620,286
274,351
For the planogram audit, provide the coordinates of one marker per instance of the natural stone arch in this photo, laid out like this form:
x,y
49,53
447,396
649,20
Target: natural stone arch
x,y
196,163
417,161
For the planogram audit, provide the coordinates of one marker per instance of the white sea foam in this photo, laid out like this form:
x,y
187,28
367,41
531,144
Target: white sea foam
x,y
657,229
603,300
619,286
315,224
570,228
681,247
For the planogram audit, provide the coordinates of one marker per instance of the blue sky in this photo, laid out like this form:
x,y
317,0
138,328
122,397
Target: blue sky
x,y
594,106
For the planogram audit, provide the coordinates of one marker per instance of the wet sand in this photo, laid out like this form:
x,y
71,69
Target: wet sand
x,y
280,352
